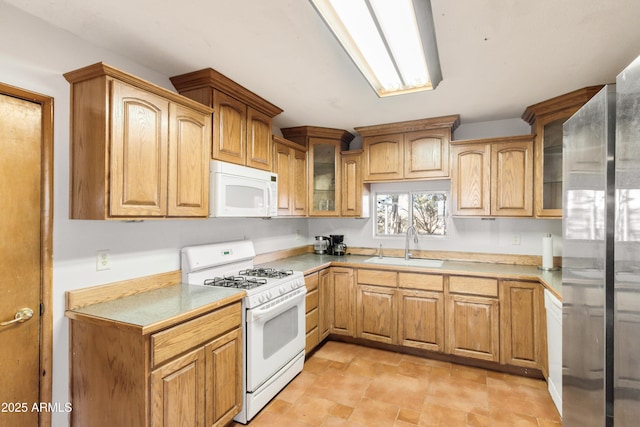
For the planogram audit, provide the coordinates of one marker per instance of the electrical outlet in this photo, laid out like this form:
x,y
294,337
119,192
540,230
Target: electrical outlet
x,y
515,240
102,260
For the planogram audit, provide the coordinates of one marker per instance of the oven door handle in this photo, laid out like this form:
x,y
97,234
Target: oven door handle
x,y
260,313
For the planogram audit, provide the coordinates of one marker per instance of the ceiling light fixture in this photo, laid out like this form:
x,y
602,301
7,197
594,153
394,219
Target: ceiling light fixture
x,y
393,43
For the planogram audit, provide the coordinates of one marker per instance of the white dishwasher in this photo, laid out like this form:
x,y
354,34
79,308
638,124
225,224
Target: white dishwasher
x,y
554,344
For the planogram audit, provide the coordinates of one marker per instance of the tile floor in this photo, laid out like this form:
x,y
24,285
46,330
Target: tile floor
x,y
349,385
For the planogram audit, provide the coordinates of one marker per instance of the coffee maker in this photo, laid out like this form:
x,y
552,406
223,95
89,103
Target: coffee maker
x,y
321,245
336,244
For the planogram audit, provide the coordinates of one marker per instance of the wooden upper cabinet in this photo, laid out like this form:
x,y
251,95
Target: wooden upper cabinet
x,y
324,177
242,125
546,119
471,179
282,161
300,200
426,154
290,163
189,138
259,135
137,150
355,194
512,178
493,177
139,143
323,165
383,156
417,149
229,134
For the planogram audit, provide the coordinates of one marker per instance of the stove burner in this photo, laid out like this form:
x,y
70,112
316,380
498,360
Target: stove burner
x,y
236,282
271,273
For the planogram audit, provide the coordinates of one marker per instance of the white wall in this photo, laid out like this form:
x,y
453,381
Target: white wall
x,y
463,234
492,129
34,56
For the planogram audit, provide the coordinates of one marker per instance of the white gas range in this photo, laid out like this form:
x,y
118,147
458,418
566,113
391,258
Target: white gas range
x,y
273,315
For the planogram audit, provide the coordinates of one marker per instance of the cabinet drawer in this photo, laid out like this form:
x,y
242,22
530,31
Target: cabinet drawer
x,y
378,277
311,300
427,282
312,319
311,281
473,286
312,340
177,340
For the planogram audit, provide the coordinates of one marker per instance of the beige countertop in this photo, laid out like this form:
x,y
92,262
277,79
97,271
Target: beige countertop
x,y
158,308
308,263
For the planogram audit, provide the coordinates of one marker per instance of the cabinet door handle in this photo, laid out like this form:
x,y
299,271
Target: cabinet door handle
x,y
22,315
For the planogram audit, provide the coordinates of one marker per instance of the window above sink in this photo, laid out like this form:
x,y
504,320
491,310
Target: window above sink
x,y
425,210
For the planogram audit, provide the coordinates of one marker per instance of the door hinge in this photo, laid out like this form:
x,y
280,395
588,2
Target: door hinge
x,y
41,309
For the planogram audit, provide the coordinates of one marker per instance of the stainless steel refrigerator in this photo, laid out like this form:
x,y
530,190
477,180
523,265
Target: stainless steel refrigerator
x,y
601,258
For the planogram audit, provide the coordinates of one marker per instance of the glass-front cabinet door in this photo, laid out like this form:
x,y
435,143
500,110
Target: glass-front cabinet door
x,y
323,162
552,165
546,119
324,185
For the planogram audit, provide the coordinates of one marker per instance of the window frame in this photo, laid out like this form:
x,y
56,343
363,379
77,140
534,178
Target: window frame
x,y
410,212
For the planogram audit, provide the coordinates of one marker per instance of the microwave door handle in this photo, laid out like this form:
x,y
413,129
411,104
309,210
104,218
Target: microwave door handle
x,y
260,313
271,201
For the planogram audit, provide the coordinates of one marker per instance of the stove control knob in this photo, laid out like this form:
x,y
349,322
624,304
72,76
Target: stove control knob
x,y
282,290
269,295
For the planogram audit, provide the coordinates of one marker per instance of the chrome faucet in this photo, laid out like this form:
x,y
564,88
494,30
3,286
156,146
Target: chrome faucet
x,y
411,230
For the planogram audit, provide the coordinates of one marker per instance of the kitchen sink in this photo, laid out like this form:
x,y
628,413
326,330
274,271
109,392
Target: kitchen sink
x,y
412,262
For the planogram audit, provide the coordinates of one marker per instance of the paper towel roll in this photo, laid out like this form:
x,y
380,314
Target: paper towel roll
x,y
547,252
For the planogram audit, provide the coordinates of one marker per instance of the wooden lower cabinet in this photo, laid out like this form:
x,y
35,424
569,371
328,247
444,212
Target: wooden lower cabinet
x,y
482,318
473,327
521,314
325,304
200,388
187,374
421,319
376,313
177,392
223,378
341,296
312,312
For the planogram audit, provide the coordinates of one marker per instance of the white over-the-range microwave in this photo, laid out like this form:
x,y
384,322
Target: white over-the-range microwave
x,y
240,191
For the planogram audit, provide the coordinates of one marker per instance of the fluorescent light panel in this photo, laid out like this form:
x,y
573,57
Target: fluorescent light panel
x,y
383,39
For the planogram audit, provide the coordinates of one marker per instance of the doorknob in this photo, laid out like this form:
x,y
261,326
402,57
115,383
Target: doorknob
x,y
22,315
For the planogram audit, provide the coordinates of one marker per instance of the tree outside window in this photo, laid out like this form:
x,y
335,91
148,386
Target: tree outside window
x,y
427,213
